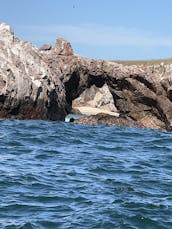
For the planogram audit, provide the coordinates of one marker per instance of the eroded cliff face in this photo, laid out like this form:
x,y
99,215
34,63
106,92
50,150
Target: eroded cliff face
x,y
42,84
29,89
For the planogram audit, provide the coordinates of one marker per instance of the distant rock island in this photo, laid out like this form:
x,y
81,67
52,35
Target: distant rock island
x,y
51,82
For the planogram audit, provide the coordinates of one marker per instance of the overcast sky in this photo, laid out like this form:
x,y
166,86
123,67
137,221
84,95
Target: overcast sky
x,y
104,29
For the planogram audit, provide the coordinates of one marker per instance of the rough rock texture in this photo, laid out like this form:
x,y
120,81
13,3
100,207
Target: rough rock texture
x,y
97,98
109,120
42,84
63,47
45,47
28,88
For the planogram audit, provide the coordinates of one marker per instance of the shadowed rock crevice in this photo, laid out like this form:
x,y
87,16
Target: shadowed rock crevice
x,y
53,111
147,83
98,81
72,90
37,95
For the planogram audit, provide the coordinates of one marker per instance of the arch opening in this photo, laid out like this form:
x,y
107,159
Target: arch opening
x,y
91,98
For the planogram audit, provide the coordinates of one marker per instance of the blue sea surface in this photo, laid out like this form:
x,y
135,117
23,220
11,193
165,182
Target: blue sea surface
x,y
66,175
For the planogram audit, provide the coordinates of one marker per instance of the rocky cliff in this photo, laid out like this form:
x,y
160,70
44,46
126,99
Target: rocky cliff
x,y
44,84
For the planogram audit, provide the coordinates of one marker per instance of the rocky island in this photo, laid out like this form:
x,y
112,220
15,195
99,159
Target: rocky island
x,y
51,82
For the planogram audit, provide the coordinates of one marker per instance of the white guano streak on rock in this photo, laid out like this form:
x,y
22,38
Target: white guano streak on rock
x,y
36,82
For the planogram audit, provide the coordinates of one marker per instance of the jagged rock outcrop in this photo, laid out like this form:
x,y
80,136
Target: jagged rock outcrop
x,y
42,84
45,47
29,89
63,47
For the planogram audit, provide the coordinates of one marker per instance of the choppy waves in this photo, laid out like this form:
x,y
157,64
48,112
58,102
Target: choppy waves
x,y
63,175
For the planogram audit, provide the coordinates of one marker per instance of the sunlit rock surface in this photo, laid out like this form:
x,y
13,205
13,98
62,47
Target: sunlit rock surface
x,y
49,82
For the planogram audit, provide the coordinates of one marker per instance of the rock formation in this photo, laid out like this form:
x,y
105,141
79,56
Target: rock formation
x,y
63,47
45,47
44,83
29,89
95,100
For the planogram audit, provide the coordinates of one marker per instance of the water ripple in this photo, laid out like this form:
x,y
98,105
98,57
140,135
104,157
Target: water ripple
x,y
63,175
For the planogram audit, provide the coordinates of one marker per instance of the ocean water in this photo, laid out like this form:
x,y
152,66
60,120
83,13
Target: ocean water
x,y
65,175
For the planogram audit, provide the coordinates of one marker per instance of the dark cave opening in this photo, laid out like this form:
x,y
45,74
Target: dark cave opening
x,y
76,86
71,89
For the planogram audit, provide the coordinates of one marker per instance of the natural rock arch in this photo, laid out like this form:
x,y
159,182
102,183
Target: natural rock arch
x,y
42,84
